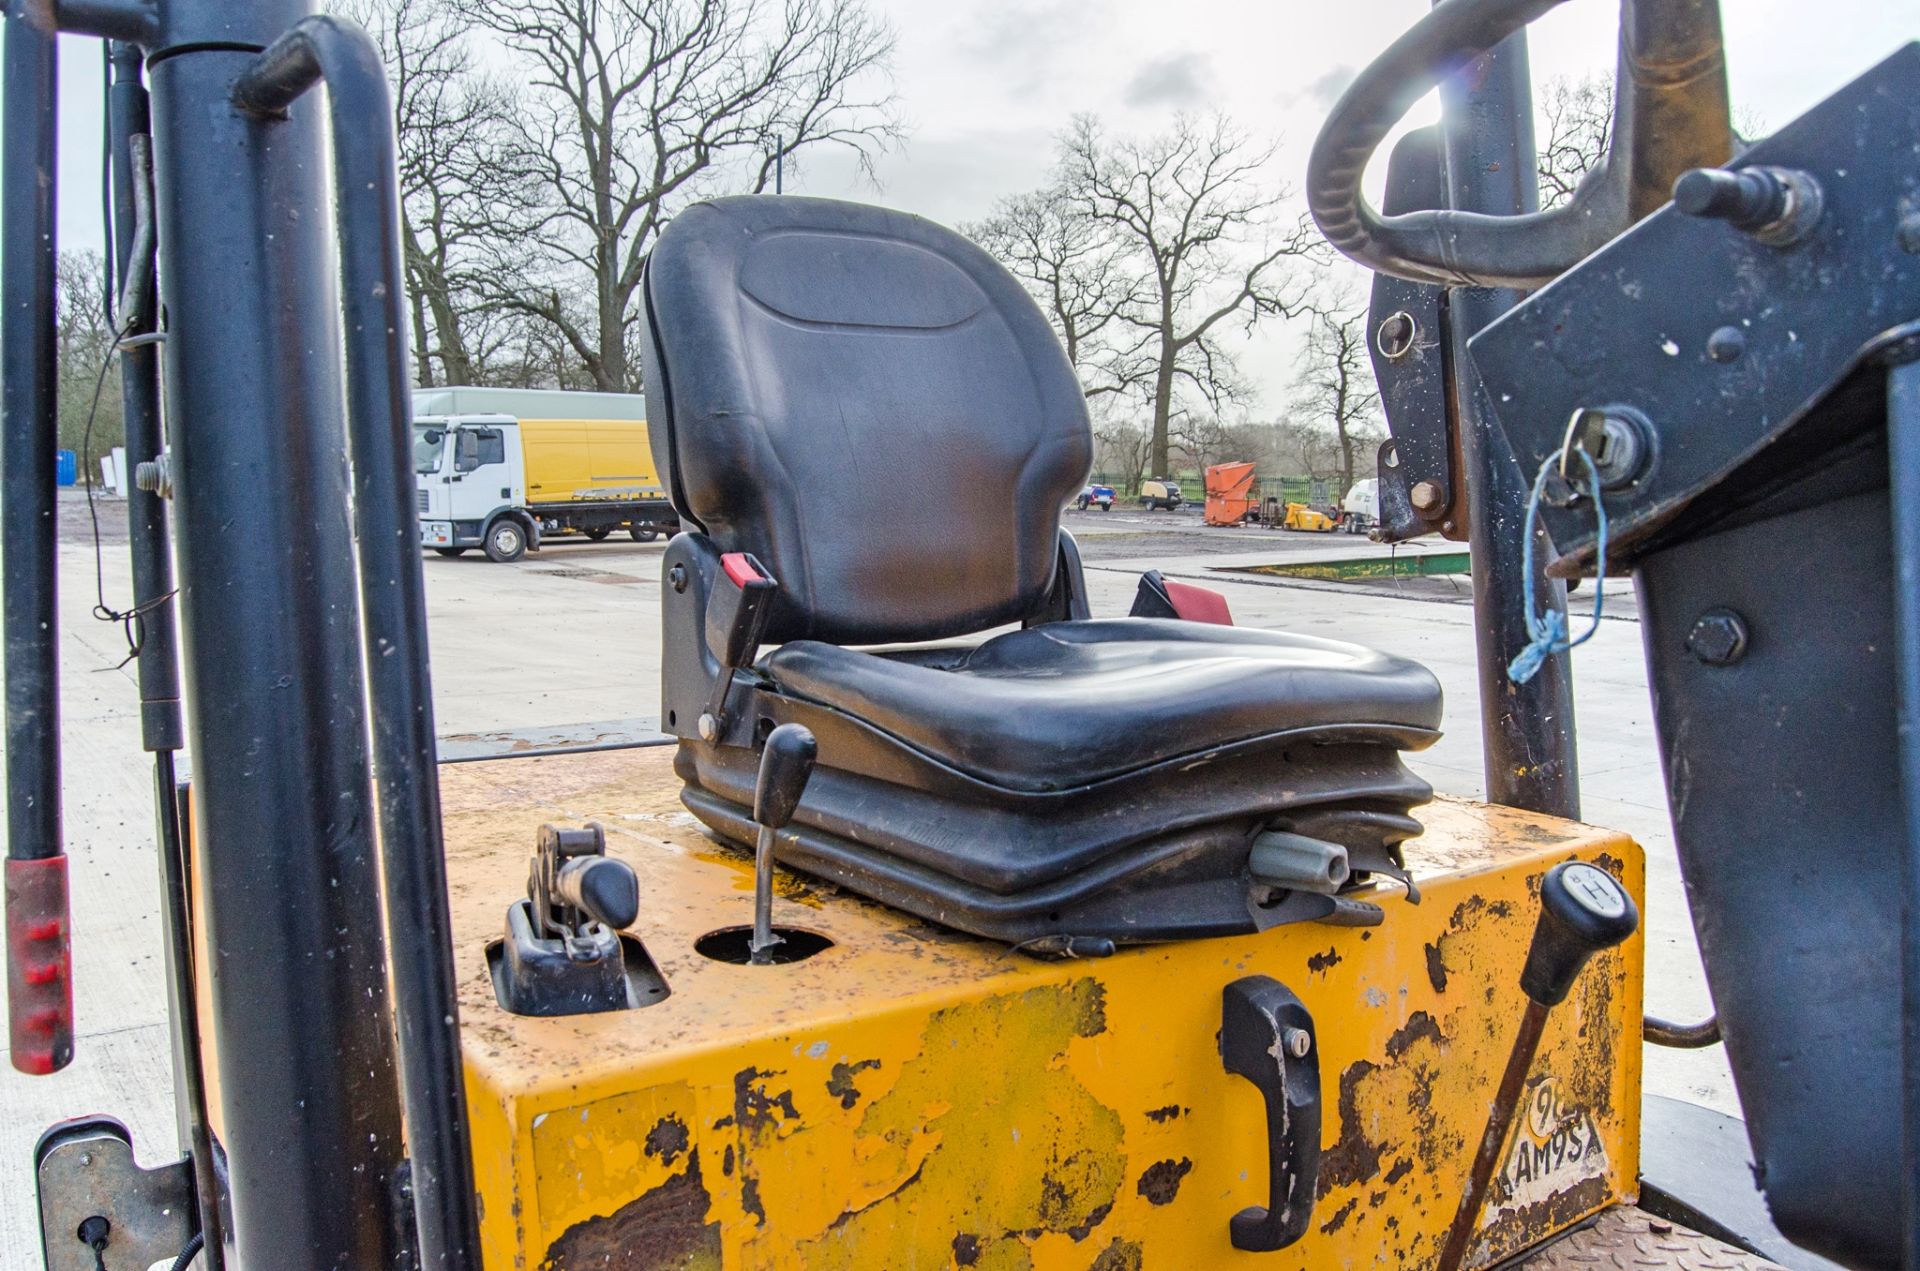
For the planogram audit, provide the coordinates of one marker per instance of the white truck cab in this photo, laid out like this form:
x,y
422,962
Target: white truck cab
x,y
469,469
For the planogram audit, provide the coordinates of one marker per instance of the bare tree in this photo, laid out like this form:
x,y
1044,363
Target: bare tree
x,y
1121,446
1198,226
83,354
1335,391
1579,126
1070,264
633,108
1578,119
455,175
1204,440
1305,449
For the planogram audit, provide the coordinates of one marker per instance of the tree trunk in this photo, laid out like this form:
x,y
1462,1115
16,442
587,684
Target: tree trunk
x,y
1162,411
422,360
456,365
611,373
1346,441
455,362
416,306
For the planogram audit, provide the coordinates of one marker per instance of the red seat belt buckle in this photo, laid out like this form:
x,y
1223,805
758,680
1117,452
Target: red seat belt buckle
x,y
743,569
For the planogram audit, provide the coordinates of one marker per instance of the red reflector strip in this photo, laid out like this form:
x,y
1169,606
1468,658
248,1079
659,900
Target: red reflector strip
x,y
740,569
39,966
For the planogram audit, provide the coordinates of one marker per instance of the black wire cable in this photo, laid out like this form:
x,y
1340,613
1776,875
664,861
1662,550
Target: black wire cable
x,y
130,620
188,1254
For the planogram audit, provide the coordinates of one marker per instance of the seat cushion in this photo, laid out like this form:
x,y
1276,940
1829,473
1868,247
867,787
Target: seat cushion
x,y
1069,703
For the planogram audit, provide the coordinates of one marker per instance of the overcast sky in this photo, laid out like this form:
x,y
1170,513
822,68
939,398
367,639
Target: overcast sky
x,y
985,85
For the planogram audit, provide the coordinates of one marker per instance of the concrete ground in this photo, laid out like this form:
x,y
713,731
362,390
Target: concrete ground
x,y
572,634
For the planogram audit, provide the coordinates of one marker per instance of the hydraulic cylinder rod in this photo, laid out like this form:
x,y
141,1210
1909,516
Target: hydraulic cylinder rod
x,y
128,118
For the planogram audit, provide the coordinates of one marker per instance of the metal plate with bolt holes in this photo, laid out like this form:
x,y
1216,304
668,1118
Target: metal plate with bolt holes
x,y
86,1167
1633,1240
1716,339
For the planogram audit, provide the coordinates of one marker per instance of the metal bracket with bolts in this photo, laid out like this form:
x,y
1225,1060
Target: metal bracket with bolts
x,y
96,1203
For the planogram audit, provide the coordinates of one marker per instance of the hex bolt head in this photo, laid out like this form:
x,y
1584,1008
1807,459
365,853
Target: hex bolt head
x,y
1426,496
677,577
709,727
1718,638
1727,344
1297,1041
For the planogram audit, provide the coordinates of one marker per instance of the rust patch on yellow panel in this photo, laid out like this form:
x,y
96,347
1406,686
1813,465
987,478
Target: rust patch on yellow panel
x,y
1121,1255
1160,1184
666,1229
840,1084
635,1145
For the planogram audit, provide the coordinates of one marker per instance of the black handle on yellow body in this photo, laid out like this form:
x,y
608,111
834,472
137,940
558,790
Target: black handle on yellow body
x,y
786,764
1582,911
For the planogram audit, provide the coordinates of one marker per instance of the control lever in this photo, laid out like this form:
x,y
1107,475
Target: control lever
x,y
574,883
1582,911
785,766
563,954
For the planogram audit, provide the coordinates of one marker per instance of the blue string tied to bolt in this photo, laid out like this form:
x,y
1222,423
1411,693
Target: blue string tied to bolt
x,y
1547,631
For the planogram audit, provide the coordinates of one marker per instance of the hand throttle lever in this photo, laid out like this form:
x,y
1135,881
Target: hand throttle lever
x,y
1582,911
786,764
604,889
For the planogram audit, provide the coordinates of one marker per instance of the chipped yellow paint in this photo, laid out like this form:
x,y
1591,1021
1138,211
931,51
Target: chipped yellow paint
x,y
914,1099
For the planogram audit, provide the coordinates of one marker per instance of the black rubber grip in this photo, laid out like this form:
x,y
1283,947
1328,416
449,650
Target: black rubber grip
x,y
607,890
1583,910
785,766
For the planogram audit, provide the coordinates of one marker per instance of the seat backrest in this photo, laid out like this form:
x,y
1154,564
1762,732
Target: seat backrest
x,y
869,404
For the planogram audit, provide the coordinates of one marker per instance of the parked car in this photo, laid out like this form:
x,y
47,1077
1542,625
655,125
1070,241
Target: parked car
x,y
1100,496
1161,494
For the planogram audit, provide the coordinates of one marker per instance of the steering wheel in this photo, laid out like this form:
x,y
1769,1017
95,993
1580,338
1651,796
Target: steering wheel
x,y
1670,114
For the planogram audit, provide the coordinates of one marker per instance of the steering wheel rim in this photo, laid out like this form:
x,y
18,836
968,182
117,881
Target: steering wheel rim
x,y
1453,248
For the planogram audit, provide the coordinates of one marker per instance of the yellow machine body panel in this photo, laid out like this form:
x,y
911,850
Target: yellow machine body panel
x,y
569,459
912,1098
1301,516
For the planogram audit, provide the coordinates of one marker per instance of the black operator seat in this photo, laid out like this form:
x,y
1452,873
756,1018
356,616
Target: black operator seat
x,y
874,411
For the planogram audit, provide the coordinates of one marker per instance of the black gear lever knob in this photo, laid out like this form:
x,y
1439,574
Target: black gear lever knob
x,y
1582,911
786,763
606,890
